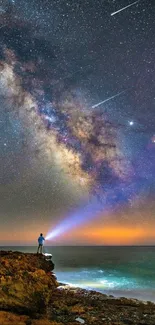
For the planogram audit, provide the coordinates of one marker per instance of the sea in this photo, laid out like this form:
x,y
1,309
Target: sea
x,y
118,271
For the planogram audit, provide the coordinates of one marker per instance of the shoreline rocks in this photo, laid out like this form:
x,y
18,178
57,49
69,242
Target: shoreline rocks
x,y
31,295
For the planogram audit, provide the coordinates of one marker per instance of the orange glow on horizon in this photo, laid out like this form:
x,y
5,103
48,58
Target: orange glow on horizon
x,y
116,235
111,235
103,235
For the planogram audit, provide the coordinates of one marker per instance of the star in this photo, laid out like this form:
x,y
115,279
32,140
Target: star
x,y
131,123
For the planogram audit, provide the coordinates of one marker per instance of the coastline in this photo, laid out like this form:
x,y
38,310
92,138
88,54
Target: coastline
x,y
31,295
140,295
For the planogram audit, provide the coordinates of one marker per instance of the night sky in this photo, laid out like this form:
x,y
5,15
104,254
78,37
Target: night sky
x,y
59,151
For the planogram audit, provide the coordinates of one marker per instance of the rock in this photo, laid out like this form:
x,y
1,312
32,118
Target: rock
x,y
7,318
25,282
80,320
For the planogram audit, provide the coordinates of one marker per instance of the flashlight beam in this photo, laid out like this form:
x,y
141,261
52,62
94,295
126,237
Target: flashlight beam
x,y
81,215
112,198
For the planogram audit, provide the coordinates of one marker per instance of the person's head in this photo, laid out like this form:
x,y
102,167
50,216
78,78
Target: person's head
x,y
41,235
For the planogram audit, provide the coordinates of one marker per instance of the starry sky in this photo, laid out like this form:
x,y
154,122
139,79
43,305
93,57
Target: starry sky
x,y
59,150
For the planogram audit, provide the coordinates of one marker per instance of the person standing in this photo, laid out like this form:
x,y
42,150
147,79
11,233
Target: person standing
x,y
40,242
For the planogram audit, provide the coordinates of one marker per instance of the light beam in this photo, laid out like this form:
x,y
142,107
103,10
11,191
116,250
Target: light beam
x,y
113,197
81,215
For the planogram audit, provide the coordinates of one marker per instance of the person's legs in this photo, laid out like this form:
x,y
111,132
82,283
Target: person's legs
x,y
38,249
41,249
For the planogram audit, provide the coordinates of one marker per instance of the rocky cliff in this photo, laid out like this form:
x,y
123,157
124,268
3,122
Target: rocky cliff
x,y
26,282
31,295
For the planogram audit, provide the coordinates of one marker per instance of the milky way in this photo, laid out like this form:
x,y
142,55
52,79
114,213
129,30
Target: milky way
x,y
81,143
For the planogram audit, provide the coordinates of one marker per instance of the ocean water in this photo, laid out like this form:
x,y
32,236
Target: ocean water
x,y
119,271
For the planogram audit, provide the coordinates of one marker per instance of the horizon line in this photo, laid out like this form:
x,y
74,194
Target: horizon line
x,y
150,245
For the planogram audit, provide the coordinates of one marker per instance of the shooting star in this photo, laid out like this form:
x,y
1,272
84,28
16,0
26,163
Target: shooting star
x,y
132,4
107,100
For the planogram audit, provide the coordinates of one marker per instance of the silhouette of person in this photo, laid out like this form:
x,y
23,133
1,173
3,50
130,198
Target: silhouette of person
x,y
40,242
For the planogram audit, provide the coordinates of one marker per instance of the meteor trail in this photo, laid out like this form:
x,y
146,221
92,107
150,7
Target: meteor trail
x,y
116,12
107,100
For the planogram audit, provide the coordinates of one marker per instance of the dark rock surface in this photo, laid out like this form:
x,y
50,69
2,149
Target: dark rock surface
x,y
30,295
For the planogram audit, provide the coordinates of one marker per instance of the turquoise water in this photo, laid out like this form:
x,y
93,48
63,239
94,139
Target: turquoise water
x,y
120,271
